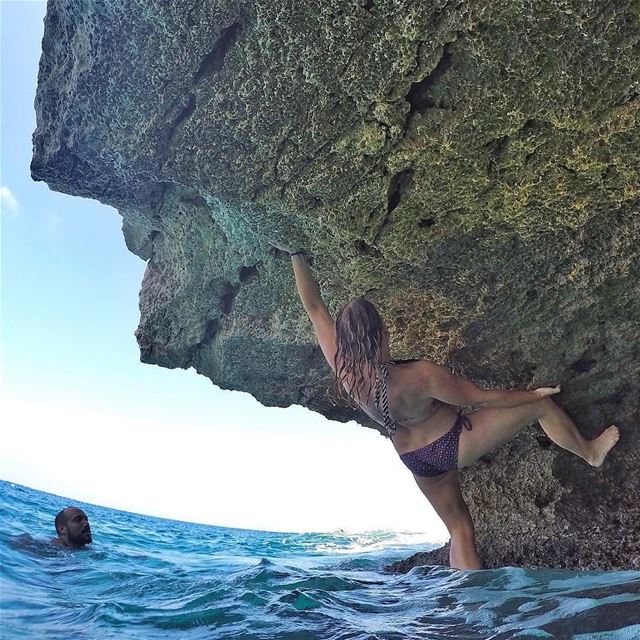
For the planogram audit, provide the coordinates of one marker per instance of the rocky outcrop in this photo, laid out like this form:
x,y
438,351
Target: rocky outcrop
x,y
470,167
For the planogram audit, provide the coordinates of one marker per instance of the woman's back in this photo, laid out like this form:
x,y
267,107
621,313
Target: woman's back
x,y
420,419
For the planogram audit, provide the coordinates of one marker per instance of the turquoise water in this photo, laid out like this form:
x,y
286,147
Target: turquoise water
x,y
150,578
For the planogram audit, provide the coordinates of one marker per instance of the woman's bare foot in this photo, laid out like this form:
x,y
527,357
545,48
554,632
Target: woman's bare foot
x,y
602,445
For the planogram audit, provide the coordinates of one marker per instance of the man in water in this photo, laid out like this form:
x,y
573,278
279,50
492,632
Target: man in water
x,y
72,527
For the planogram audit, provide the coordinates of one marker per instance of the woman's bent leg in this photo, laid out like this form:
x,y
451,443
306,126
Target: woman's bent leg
x,y
559,427
443,492
493,427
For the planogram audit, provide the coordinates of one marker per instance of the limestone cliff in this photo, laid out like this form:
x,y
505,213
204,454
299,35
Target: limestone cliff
x,y
470,167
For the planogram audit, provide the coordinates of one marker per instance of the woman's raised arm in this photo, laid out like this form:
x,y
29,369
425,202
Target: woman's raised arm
x,y
314,305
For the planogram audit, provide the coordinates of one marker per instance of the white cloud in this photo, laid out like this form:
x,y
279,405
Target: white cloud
x,y
8,200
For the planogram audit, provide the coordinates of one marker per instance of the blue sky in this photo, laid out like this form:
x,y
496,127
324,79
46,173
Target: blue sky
x,y
82,417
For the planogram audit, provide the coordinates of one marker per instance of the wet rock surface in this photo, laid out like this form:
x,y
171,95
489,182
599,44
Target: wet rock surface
x,y
471,169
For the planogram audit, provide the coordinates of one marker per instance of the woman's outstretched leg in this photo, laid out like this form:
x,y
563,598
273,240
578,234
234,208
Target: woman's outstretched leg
x,y
493,427
443,492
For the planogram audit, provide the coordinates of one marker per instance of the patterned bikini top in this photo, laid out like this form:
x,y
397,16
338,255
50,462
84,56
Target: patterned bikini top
x,y
381,399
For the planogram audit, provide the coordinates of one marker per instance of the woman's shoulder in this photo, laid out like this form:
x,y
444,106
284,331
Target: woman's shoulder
x,y
419,368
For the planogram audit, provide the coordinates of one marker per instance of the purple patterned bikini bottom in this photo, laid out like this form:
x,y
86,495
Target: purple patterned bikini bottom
x,y
438,456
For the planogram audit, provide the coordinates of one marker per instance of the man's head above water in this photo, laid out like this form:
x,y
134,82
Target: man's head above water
x,y
72,527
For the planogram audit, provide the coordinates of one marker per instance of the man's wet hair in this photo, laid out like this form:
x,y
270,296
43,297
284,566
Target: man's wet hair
x,y
61,519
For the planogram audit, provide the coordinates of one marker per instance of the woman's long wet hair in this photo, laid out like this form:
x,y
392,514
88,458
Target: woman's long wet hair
x,y
359,336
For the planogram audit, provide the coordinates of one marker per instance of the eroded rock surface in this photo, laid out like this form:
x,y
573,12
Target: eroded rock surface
x,y
470,167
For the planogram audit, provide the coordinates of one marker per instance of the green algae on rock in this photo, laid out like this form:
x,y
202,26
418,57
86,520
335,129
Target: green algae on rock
x,y
472,168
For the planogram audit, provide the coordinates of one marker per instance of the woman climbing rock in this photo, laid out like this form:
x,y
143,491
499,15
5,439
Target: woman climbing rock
x,y
417,403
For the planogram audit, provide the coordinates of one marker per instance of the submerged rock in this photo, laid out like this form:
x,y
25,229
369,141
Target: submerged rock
x,y
473,170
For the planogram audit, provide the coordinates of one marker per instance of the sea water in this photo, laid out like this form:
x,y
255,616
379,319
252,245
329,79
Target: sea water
x,y
150,578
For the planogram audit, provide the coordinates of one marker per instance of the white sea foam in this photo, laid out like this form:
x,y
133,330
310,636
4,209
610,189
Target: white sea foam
x,y
372,541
